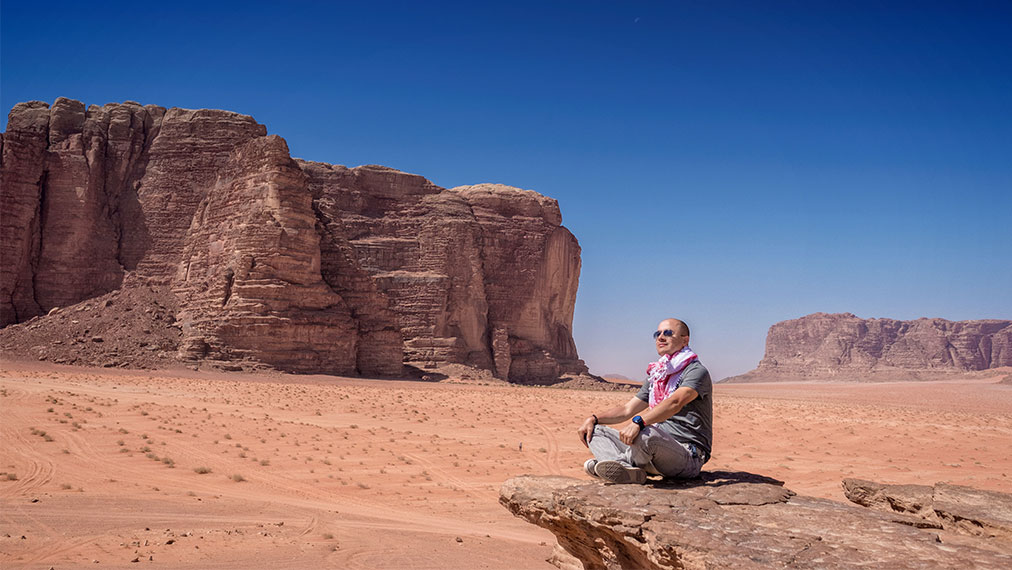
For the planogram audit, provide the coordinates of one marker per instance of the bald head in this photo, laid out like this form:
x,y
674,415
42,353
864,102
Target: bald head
x,y
680,328
672,336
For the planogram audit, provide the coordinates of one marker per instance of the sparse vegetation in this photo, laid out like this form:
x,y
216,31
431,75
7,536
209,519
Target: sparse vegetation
x,y
202,470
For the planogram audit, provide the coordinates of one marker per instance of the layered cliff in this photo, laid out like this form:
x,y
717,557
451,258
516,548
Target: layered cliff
x,y
304,266
843,346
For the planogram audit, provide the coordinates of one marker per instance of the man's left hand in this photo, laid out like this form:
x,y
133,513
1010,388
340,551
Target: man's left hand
x,y
629,434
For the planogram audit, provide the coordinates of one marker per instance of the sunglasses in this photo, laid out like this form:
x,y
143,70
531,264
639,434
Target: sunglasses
x,y
665,332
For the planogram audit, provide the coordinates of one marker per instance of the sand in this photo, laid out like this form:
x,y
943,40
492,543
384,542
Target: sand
x,y
183,469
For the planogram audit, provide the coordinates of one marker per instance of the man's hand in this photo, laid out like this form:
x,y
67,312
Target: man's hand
x,y
586,431
629,434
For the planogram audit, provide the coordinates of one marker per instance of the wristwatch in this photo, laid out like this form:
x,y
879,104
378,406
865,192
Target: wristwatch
x,y
639,421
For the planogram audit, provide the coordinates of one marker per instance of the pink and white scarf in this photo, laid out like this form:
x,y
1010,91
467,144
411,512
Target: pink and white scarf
x,y
666,374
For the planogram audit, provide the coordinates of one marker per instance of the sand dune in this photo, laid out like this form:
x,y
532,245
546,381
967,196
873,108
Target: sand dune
x,y
206,470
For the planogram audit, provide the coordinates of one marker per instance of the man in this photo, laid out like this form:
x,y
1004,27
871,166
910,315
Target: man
x,y
673,437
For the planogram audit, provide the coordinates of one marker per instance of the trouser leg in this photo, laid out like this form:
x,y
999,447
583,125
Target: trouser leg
x,y
654,450
606,446
666,456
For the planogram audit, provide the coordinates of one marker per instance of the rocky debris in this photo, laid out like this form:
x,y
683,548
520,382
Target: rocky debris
x,y
843,346
952,507
134,326
726,520
304,266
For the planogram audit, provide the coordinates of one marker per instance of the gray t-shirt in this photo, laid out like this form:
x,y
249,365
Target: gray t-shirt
x,y
694,422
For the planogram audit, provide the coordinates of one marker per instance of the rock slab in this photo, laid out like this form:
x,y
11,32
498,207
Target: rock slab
x,y
726,520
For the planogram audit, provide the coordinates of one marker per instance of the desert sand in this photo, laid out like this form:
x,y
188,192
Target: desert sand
x,y
185,469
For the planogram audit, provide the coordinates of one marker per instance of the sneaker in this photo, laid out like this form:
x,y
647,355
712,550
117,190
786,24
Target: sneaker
x,y
615,472
589,466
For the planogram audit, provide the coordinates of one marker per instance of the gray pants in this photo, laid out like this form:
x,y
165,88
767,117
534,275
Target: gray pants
x,y
654,450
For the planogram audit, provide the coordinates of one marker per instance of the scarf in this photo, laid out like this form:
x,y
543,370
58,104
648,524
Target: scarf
x,y
666,374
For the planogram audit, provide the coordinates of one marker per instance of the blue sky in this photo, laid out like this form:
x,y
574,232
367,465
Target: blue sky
x,y
734,164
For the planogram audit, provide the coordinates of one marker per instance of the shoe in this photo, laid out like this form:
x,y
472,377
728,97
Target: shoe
x,y
589,466
615,472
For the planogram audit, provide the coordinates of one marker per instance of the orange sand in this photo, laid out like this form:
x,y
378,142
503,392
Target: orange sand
x,y
305,471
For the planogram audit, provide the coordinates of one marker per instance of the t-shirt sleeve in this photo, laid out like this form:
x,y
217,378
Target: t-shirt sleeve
x,y
644,393
697,378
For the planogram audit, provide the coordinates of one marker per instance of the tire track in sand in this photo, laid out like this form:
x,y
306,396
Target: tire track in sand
x,y
551,461
17,445
444,474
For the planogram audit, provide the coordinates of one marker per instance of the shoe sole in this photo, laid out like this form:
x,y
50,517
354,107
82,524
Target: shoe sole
x,y
615,472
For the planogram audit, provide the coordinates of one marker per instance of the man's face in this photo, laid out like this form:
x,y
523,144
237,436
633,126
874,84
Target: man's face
x,y
669,341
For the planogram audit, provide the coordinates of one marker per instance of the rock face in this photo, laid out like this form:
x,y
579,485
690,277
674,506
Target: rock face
x,y
304,266
730,520
843,345
249,282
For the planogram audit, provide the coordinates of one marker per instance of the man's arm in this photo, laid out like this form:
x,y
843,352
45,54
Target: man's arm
x,y
667,408
614,415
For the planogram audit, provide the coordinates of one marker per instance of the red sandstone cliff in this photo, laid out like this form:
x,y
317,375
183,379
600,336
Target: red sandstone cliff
x,y
845,347
304,266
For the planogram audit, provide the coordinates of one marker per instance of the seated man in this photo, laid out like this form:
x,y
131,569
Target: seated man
x,y
673,437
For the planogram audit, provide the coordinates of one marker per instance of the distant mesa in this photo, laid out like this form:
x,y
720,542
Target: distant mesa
x,y
842,346
263,259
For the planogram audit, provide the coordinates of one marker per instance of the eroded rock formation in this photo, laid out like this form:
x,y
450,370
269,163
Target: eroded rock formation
x,y
953,507
731,520
847,347
305,266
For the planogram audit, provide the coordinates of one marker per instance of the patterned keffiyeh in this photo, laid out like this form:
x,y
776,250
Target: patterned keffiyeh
x,y
666,374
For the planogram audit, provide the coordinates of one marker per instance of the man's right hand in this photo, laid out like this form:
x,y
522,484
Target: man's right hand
x,y
586,431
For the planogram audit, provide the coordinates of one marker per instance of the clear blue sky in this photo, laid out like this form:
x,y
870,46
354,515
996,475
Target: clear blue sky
x,y
734,164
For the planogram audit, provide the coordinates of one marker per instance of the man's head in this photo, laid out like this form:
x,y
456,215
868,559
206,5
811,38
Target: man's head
x,y
672,335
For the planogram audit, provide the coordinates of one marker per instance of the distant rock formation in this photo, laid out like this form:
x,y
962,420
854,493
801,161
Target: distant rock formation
x,y
732,520
845,347
305,266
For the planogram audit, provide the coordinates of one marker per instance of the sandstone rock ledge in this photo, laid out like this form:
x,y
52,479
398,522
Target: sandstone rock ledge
x,y
728,520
